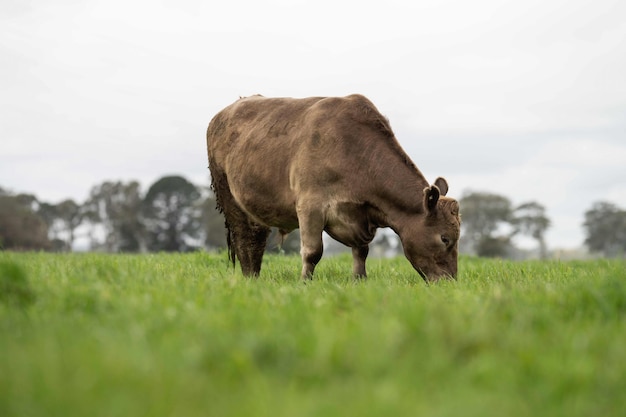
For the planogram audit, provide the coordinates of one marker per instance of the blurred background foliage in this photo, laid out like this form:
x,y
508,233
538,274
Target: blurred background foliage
x,y
175,215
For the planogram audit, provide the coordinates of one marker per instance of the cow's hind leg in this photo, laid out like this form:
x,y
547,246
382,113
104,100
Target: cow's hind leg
x,y
249,241
246,239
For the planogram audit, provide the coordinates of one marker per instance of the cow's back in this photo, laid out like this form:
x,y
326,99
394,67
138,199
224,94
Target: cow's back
x,y
272,150
252,142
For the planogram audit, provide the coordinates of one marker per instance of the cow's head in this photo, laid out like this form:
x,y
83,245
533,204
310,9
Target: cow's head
x,y
431,239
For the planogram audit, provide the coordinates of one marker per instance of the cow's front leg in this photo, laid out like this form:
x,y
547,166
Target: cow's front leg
x,y
311,245
359,255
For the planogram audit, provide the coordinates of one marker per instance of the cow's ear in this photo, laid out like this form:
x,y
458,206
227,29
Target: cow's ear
x,y
442,184
431,196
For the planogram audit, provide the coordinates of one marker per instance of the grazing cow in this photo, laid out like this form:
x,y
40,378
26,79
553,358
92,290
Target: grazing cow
x,y
325,164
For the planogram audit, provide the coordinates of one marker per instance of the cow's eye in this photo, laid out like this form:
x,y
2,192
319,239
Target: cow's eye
x,y
445,240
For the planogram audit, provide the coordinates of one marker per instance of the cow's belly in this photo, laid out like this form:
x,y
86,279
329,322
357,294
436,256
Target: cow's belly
x,y
349,224
260,186
268,207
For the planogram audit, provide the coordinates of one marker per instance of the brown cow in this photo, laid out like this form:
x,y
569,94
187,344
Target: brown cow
x,y
325,164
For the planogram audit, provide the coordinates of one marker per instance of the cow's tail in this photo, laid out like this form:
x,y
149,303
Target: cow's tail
x,y
223,199
231,245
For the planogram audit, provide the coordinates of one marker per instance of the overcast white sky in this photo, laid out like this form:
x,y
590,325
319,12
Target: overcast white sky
x,y
526,99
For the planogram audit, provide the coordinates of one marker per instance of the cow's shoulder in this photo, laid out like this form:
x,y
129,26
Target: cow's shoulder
x,y
357,109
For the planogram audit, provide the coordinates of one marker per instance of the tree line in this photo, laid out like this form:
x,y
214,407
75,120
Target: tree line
x,y
176,215
173,215
490,222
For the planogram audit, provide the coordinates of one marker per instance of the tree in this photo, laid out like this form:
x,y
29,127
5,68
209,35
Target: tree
x,y
493,246
48,213
605,225
117,207
71,217
530,219
484,215
20,227
171,216
62,219
213,224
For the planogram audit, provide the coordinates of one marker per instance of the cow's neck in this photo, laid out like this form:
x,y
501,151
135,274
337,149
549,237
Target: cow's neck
x,y
400,193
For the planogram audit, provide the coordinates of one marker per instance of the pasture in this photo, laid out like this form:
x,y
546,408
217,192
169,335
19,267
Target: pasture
x,y
184,335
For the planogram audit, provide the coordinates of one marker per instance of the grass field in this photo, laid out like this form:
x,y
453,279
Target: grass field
x,y
184,335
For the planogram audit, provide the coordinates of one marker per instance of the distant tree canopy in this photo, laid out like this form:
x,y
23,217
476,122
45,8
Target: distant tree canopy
x,y
62,220
215,236
482,216
115,207
176,215
530,219
171,216
605,226
21,228
489,222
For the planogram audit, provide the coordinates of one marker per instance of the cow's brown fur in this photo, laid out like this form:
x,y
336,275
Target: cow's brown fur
x,y
325,164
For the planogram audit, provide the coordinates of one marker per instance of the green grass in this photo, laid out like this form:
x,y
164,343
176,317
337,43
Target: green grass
x,y
184,335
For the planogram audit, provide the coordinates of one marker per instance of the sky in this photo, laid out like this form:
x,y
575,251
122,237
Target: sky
x,y
522,99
